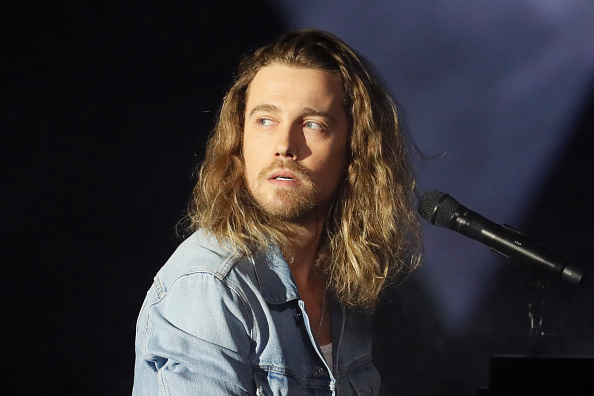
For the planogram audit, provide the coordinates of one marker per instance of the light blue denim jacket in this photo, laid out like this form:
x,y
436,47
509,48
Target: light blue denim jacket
x,y
216,323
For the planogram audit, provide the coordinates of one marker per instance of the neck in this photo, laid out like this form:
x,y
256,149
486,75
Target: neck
x,y
305,244
312,288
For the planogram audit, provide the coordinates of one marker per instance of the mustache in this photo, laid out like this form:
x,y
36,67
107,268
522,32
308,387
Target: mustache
x,y
301,172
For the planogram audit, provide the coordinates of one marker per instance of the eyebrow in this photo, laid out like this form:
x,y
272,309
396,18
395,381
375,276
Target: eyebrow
x,y
264,107
311,112
306,112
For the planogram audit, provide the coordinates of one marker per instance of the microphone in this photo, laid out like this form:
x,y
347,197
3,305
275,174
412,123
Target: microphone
x,y
444,211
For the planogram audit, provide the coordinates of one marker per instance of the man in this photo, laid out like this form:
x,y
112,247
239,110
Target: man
x,y
301,213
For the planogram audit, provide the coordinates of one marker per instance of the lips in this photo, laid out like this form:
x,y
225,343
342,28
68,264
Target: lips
x,y
284,178
283,175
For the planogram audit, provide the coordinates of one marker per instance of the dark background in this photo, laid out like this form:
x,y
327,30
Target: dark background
x,y
104,116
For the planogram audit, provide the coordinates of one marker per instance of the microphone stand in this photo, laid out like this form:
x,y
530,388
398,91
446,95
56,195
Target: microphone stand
x,y
540,287
544,369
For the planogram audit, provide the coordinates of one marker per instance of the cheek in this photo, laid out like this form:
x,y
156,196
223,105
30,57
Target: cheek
x,y
332,169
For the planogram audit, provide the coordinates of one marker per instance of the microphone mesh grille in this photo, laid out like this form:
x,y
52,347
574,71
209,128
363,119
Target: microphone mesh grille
x,y
428,204
438,208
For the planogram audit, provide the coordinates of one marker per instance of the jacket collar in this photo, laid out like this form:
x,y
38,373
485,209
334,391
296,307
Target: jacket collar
x,y
277,285
274,276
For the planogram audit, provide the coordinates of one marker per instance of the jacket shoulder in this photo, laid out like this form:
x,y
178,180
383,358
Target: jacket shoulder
x,y
199,253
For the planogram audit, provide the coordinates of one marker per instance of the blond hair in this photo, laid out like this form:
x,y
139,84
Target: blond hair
x,y
371,230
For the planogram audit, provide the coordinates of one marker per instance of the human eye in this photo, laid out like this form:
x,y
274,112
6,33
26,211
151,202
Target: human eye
x,y
314,125
264,121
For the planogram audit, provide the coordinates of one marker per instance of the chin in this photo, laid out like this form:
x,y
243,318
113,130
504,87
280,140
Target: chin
x,y
288,205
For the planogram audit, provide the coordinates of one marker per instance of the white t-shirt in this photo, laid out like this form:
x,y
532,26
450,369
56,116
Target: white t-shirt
x,y
327,352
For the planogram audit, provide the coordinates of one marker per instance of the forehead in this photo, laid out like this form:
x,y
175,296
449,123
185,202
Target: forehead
x,y
283,83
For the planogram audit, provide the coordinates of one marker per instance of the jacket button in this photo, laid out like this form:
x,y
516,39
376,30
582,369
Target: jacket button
x,y
318,372
298,319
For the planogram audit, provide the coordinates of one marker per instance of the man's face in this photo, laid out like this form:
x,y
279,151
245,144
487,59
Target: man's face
x,y
295,140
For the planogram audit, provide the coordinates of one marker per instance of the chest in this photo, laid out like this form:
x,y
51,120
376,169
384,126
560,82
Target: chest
x,y
287,359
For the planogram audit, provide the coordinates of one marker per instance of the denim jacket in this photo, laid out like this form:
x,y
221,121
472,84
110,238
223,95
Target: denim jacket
x,y
218,323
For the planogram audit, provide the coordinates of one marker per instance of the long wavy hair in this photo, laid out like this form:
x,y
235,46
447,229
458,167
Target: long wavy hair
x,y
372,231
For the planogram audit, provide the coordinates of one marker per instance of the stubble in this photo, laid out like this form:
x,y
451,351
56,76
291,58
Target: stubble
x,y
286,203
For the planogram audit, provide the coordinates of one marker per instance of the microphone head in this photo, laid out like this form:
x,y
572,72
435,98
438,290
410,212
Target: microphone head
x,y
438,208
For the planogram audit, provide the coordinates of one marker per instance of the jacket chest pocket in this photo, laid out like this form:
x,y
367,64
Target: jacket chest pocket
x,y
275,383
364,380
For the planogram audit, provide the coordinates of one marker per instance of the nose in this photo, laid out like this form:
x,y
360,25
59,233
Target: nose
x,y
287,142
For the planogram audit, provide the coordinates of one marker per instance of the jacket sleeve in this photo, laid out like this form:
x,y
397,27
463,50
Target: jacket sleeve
x,y
194,339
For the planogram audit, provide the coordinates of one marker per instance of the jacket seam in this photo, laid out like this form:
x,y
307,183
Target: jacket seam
x,y
235,289
320,384
345,371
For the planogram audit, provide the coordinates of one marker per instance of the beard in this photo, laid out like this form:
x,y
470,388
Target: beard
x,y
286,203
